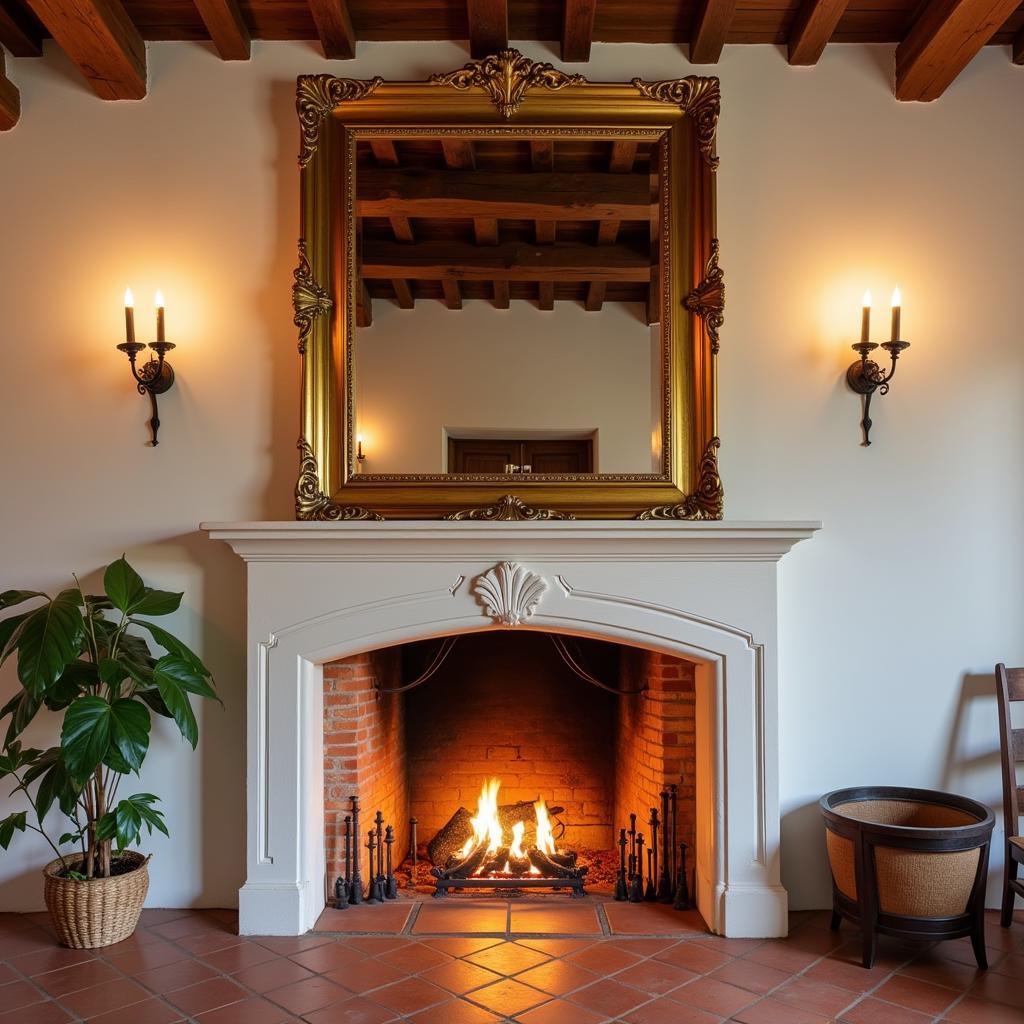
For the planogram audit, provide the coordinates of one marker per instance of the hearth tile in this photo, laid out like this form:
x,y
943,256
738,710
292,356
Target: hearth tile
x,y
335,956
464,947
456,1012
608,997
846,974
460,976
91,1002
237,958
655,977
996,987
303,997
151,1011
975,1011
817,996
414,957
207,995
559,977
75,977
507,997
209,941
919,995
603,958
730,947
193,923
667,1011
874,1011
770,1011
782,957
389,918
694,956
289,945
409,995
558,1011
272,974
929,967
652,919
644,947
751,976
174,976
714,996
508,958
248,1011
556,947
353,1011
38,1013
16,994
442,918
366,975
373,945
147,958
42,961
537,919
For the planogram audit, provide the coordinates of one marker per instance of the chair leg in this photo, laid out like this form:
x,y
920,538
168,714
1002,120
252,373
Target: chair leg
x,y
1009,875
869,941
836,919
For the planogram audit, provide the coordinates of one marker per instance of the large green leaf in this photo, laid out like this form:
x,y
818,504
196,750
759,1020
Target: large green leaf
x,y
50,638
75,681
172,644
124,823
8,631
130,731
14,758
175,696
9,598
156,702
157,602
185,671
54,783
123,585
85,738
8,825
22,708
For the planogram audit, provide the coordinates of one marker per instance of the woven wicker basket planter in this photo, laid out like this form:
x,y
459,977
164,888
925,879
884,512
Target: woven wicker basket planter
x,y
99,912
908,862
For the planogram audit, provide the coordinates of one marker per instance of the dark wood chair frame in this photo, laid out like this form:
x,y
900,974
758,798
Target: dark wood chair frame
x,y
1010,688
865,836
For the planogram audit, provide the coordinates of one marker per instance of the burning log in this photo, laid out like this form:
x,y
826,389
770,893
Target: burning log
x,y
452,837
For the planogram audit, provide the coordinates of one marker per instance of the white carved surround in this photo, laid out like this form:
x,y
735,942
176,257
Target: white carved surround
x,y
702,591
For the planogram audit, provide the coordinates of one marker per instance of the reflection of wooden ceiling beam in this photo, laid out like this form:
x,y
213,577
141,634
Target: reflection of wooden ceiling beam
x,y
541,196
459,155
19,34
385,152
334,27
10,99
488,26
364,305
1018,47
622,160
542,158
100,38
227,28
510,261
943,41
578,29
710,29
815,22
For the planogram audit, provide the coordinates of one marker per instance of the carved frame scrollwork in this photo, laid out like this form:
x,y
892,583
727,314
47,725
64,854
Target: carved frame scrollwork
x,y
508,95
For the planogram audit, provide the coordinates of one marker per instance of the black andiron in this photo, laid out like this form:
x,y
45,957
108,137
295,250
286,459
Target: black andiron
x,y
348,888
670,883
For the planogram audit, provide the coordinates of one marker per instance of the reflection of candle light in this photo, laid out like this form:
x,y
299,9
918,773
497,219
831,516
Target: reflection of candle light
x,y
359,447
159,300
897,302
129,316
865,318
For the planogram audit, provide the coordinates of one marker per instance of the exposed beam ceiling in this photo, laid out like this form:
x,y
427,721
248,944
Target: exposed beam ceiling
x,y
19,32
943,41
488,26
815,22
1018,47
227,28
10,99
334,27
578,29
714,17
100,38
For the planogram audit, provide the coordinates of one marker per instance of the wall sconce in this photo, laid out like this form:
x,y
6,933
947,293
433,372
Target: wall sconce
x,y
156,376
865,376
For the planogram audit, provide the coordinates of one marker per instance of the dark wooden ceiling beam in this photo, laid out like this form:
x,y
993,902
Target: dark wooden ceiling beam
x,y
540,196
509,261
452,293
812,29
334,27
488,26
1018,47
542,158
227,28
460,155
19,33
578,29
403,293
100,38
710,29
10,99
943,41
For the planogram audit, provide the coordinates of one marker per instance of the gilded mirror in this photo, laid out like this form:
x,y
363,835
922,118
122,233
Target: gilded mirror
x,y
508,296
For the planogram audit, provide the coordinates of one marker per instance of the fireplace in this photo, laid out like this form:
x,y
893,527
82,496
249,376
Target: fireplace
x,y
568,735
323,596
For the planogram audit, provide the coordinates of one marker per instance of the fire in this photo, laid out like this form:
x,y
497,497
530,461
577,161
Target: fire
x,y
486,825
545,840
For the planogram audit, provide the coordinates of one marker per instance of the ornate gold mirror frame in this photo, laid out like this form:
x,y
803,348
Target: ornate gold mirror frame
x,y
509,94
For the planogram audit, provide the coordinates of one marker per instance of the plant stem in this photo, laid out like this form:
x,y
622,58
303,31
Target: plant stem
x,y
39,829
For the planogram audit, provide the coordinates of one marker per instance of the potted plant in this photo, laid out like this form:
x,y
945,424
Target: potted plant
x,y
86,657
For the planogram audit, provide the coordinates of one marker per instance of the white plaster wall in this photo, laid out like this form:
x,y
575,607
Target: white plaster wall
x,y
891,618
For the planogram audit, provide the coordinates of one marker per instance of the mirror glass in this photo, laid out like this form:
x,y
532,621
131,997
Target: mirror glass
x,y
507,305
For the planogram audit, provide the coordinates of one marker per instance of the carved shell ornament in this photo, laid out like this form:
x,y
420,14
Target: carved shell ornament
x,y
707,300
309,298
510,592
506,77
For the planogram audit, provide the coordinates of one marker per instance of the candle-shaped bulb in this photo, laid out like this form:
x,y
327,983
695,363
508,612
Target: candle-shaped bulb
x,y
158,300
865,318
897,302
129,316
359,446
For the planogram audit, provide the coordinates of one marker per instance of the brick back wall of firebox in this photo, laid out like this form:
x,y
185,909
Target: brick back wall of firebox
x,y
505,705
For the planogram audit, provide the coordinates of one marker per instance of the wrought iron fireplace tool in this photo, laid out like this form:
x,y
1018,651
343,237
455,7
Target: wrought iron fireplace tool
x,y
621,889
682,900
665,892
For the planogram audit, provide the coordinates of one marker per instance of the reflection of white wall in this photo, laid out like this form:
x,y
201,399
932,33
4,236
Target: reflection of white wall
x,y
423,370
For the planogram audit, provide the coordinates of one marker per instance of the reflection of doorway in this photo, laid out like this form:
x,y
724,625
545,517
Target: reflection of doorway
x,y
496,455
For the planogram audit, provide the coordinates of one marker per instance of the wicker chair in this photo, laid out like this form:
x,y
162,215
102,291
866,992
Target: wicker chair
x,y
1009,689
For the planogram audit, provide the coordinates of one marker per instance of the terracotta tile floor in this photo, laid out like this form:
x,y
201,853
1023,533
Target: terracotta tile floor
x,y
477,962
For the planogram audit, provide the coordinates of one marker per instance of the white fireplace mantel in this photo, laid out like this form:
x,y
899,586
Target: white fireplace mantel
x,y
318,592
